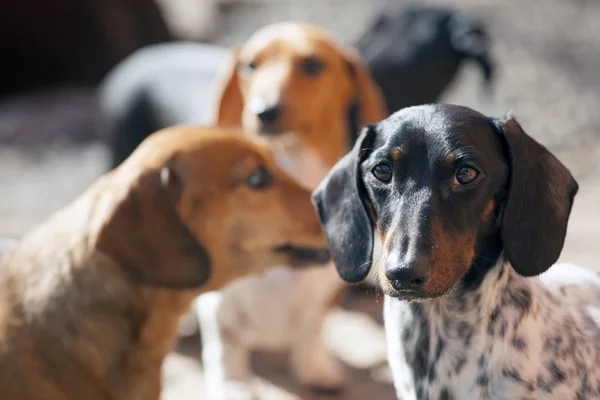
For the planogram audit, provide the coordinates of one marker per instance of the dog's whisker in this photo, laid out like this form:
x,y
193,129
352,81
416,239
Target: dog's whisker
x,y
483,258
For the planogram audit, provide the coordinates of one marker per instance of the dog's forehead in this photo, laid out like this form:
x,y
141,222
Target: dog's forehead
x,y
301,39
442,127
223,149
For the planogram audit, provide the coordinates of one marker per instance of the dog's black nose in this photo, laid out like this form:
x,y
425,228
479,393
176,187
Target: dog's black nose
x,y
266,113
409,276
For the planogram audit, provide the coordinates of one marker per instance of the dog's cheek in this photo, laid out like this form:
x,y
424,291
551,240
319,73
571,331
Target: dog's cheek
x,y
451,259
376,275
378,250
249,120
488,213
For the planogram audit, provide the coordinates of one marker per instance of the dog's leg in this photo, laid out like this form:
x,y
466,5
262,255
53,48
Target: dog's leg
x,y
310,358
312,362
227,373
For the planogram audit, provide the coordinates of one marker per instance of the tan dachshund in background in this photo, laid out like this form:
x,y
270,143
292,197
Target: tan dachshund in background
x,y
90,300
294,86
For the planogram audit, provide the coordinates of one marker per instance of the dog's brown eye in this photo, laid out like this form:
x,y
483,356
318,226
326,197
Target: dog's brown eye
x,y
260,178
466,175
312,66
383,172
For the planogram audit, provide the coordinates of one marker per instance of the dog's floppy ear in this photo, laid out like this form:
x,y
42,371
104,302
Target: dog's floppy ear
x,y
369,97
230,102
340,202
145,235
539,202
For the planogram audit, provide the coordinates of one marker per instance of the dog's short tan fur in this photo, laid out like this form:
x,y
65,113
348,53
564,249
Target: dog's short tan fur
x,y
311,133
313,126
90,300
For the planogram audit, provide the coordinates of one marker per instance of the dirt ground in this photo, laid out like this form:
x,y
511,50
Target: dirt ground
x,y
548,55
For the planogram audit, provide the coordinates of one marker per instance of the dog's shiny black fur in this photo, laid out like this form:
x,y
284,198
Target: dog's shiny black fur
x,y
415,53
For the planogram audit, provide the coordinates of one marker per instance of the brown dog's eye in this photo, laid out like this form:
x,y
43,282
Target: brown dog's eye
x,y
260,179
312,66
466,175
383,172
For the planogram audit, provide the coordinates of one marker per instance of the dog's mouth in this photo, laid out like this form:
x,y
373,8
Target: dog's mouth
x,y
276,131
302,255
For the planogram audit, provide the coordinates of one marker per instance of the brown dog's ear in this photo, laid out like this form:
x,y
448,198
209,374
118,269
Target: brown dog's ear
x,y
371,104
145,235
540,198
340,201
230,103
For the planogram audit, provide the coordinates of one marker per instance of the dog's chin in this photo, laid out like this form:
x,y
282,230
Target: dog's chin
x,y
412,295
301,256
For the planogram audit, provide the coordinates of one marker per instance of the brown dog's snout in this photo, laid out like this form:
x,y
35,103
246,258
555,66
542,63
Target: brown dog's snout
x,y
306,242
408,273
268,113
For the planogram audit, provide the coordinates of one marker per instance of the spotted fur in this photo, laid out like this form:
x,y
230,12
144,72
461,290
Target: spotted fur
x,y
510,338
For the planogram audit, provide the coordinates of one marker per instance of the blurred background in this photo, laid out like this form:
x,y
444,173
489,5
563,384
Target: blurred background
x,y
55,54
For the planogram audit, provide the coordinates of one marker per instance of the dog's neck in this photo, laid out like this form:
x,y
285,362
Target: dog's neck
x,y
308,156
437,334
499,288
302,163
83,314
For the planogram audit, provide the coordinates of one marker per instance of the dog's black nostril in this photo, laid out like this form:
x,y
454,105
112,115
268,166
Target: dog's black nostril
x,y
411,276
416,283
404,284
269,113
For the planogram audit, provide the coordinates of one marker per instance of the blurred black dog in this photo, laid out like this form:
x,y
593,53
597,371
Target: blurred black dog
x,y
159,86
414,53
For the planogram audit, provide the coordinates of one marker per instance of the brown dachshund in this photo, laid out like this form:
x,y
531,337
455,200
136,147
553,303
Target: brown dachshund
x,y
294,86
90,300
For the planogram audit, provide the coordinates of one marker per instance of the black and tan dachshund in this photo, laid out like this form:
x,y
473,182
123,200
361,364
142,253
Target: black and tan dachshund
x,y
457,214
